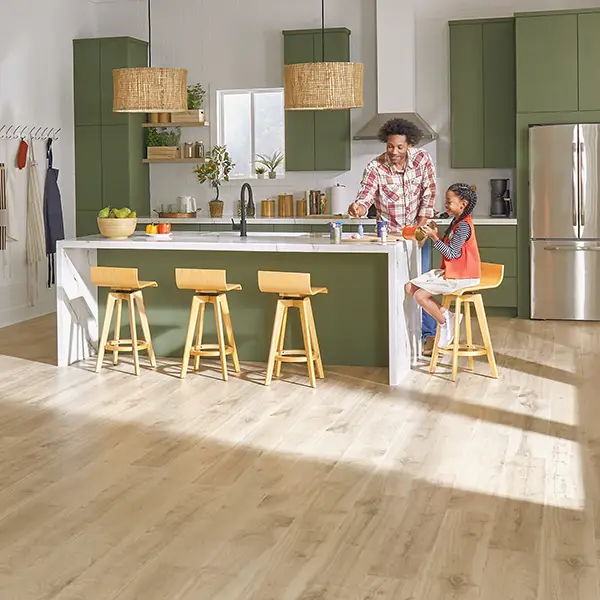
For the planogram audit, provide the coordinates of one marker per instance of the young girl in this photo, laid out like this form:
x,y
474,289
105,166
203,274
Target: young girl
x,y
461,265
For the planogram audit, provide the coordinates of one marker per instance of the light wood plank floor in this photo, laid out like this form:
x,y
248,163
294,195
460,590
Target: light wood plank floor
x,y
152,488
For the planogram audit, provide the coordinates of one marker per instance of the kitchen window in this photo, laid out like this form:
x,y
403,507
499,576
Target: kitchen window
x,y
251,122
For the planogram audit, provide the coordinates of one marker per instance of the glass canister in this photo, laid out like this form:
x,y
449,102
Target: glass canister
x,y
188,150
198,149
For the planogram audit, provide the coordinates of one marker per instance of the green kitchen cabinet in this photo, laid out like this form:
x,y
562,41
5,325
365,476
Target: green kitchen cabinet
x,y
482,93
88,162
499,94
466,95
547,63
86,76
588,27
317,140
109,147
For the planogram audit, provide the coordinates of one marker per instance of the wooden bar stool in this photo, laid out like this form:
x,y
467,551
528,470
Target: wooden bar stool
x,y
124,285
210,287
491,277
294,292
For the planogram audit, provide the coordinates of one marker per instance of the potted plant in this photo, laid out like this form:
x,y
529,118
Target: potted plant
x,y
195,100
260,171
271,162
215,170
163,143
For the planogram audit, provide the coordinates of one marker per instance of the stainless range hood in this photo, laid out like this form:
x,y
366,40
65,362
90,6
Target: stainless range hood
x,y
396,70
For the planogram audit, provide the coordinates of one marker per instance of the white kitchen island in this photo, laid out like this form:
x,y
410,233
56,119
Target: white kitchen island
x,y
78,301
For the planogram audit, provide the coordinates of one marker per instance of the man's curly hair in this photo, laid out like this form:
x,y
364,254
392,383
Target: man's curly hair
x,y
400,127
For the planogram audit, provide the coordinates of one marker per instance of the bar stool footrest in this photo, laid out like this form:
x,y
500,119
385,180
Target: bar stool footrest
x,y
465,350
294,356
125,345
210,350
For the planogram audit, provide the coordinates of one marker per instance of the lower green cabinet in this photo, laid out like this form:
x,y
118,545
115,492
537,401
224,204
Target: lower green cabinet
x,y
317,140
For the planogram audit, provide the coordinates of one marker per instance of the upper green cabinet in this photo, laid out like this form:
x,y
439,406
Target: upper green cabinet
x,y
588,28
557,61
482,93
546,63
317,140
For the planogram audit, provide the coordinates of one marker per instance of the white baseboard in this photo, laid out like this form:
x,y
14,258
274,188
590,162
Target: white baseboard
x,y
17,314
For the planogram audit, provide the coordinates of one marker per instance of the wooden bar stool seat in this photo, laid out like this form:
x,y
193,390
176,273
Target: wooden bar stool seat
x,y
210,287
124,285
295,291
491,277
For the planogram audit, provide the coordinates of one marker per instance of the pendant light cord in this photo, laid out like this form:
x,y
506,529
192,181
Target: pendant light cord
x,y
322,30
149,35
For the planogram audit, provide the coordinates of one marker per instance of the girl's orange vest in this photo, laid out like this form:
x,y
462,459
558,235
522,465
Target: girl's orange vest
x,y
468,264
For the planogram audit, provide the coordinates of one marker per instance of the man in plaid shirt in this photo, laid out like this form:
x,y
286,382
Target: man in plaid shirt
x,y
401,184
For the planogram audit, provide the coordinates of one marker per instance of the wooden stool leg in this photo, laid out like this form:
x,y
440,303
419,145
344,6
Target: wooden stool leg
x,y
110,304
117,329
446,303
134,342
199,329
229,331
315,341
220,337
139,299
485,334
304,318
274,341
469,331
456,342
281,343
189,338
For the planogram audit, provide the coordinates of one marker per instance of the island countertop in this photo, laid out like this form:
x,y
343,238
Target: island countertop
x,y
232,241
365,278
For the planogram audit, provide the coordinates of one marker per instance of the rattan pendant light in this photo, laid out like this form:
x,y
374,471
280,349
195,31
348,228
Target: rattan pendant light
x,y
149,89
323,85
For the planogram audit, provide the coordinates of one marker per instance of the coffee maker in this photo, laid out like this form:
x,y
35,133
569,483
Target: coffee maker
x,y
501,205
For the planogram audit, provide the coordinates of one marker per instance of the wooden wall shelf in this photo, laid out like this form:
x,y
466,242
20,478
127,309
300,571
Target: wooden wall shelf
x,y
177,160
159,125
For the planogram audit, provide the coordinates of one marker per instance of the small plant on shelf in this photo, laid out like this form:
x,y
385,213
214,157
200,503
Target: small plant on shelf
x,y
163,136
163,143
215,171
260,171
195,96
271,162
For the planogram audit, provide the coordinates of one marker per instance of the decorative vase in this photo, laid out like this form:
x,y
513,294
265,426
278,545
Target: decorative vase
x,y
216,208
272,175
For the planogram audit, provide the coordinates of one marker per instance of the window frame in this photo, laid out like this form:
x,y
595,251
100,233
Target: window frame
x,y
221,124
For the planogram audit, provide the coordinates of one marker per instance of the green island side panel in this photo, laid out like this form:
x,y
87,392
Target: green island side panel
x,y
352,319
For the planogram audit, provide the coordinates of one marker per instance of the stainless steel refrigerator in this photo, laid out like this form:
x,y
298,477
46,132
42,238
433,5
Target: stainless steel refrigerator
x,y
564,188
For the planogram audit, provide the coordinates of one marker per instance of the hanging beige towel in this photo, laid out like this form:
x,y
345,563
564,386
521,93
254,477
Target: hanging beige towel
x,y
35,249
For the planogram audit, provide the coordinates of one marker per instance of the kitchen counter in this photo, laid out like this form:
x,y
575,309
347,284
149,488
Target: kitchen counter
x,y
305,220
365,319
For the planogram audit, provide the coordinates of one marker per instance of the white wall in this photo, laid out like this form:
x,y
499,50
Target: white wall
x,y
36,88
245,52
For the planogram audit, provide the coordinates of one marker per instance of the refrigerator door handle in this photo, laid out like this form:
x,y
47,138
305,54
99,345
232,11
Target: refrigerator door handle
x,y
575,187
580,171
572,248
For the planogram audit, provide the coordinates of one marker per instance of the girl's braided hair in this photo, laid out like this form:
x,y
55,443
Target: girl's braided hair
x,y
467,193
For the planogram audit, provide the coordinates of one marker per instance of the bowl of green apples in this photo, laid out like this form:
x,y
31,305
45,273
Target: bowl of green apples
x,y
117,223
